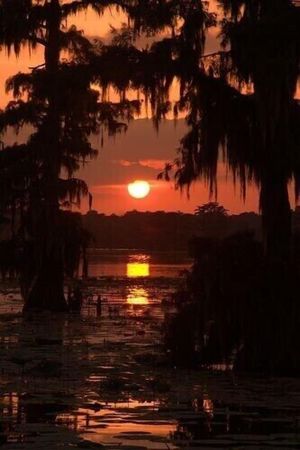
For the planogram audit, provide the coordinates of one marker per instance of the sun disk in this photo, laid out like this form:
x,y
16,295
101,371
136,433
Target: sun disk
x,y
138,189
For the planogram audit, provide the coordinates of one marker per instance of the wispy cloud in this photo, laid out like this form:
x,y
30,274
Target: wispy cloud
x,y
125,163
153,163
156,164
107,188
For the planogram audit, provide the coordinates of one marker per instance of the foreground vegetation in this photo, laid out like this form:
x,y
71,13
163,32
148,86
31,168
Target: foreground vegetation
x,y
230,309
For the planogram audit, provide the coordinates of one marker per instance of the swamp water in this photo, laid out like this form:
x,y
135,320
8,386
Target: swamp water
x,y
101,378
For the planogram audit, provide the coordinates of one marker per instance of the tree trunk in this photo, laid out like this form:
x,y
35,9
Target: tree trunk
x,y
46,290
276,219
272,336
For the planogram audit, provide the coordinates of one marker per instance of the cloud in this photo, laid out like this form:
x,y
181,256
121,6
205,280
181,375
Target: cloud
x,y
124,163
157,164
107,188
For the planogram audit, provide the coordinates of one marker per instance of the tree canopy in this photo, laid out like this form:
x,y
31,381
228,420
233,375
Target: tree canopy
x,y
239,102
57,101
211,208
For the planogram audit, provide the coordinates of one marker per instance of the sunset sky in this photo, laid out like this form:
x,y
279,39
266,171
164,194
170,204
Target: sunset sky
x,y
138,154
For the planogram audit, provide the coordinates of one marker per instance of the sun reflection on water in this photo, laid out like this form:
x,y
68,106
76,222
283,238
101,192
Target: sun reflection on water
x,y
208,407
138,269
137,296
138,266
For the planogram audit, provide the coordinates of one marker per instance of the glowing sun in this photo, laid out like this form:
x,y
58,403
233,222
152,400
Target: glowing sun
x,y
138,189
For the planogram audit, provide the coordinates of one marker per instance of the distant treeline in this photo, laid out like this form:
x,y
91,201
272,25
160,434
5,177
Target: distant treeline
x,y
164,230
160,230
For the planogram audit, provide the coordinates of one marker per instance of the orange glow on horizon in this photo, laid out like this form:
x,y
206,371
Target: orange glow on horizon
x,y
113,199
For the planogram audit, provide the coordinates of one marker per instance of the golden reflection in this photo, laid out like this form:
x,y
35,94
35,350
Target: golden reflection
x,y
208,406
10,404
138,269
137,296
111,432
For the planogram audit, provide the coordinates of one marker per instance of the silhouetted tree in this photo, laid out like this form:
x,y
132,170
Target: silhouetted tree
x,y
258,134
212,218
211,208
239,101
57,101
240,106
257,131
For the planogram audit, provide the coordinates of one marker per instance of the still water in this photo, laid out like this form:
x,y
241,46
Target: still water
x,y
102,378
134,263
136,278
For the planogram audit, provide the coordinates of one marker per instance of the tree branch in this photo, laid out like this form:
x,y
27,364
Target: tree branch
x,y
37,40
36,67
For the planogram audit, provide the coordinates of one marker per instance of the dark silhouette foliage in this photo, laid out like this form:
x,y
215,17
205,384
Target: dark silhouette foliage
x,y
229,313
57,101
239,101
241,108
211,208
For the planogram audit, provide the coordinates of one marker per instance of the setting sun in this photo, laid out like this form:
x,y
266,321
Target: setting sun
x,y
138,189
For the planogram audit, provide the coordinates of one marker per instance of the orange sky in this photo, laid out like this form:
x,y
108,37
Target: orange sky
x,y
140,153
